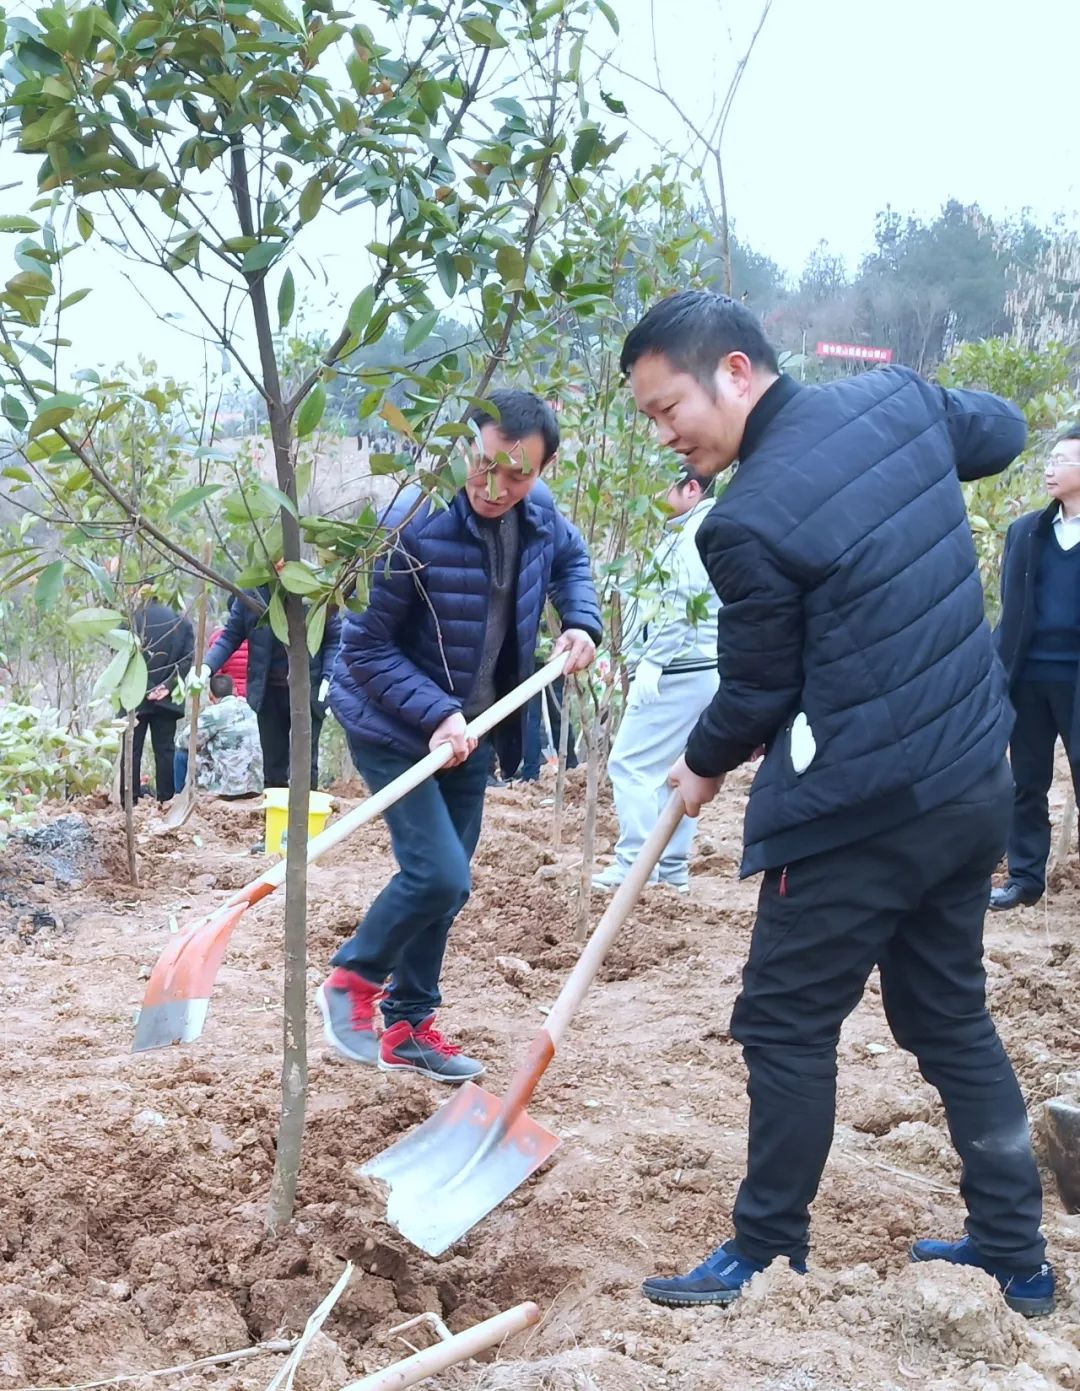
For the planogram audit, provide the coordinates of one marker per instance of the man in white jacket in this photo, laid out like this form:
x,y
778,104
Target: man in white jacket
x,y
674,679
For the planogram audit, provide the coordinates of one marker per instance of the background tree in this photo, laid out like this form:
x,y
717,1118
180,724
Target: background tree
x,y
205,143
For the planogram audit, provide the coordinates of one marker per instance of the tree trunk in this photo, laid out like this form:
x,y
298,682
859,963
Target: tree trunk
x,y
130,793
590,728
560,777
1066,833
294,1072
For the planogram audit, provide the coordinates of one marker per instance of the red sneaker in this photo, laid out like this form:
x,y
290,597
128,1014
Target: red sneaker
x,y
421,1048
347,1002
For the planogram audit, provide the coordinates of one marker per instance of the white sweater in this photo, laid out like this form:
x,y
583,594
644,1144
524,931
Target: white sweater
x,y
677,628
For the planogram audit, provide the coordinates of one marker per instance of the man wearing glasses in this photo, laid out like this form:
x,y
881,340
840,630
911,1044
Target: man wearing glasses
x,y
1038,640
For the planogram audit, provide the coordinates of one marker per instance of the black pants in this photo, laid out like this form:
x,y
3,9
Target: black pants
x,y
910,901
162,727
275,724
1043,711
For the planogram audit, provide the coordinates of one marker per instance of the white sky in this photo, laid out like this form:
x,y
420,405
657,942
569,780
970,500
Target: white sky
x,y
847,105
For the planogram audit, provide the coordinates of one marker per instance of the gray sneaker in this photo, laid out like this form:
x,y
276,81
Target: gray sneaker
x,y
421,1048
347,1002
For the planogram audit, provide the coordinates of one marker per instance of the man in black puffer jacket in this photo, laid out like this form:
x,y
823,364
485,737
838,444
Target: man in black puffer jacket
x,y
853,645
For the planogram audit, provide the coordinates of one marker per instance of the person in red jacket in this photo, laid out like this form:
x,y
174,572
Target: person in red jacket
x,y
235,666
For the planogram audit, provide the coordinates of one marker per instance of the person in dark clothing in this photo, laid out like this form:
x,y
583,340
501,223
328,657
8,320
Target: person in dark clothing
x,y
451,625
168,643
268,680
1038,640
853,644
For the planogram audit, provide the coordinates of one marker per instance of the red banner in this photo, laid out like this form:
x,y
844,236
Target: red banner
x,y
852,352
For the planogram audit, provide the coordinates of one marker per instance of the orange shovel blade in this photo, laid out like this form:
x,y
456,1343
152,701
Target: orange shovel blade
x,y
454,1169
178,993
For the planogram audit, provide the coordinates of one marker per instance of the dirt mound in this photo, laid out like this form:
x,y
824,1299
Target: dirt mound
x,y
132,1221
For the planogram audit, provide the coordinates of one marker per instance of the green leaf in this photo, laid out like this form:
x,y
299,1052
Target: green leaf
x,y
286,300
255,575
53,412
18,224
510,264
185,253
420,330
608,13
81,33
360,311
85,223
278,13
263,255
114,673
188,501
278,498
30,282
316,628
299,578
133,685
484,33
74,298
613,103
50,582
94,622
585,146
311,412
311,199
279,624
447,272
14,411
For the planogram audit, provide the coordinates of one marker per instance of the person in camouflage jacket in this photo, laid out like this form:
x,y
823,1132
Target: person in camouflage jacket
x,y
229,759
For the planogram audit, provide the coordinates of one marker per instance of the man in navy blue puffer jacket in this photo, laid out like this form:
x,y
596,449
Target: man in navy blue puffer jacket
x,y
451,625
853,645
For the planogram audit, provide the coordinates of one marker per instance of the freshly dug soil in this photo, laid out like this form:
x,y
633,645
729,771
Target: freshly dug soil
x,y
134,1187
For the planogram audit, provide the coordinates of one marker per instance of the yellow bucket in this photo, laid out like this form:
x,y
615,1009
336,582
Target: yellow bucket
x,y
276,807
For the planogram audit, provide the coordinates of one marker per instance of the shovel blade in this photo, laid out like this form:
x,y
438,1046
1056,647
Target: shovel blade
x,y
1061,1131
180,808
178,992
450,1172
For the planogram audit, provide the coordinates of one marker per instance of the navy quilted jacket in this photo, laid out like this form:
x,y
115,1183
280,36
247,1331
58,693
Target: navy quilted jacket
x,y
843,556
409,660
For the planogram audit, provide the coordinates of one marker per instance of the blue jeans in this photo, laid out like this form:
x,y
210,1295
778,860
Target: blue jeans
x,y
180,758
434,831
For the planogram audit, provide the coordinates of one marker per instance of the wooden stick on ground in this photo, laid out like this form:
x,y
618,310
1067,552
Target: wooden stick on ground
x,y
219,1359
446,1354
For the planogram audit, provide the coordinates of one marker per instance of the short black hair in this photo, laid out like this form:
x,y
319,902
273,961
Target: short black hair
x,y
688,474
521,413
695,330
1072,433
221,686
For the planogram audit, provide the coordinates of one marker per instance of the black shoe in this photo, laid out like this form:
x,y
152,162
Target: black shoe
x,y
1013,895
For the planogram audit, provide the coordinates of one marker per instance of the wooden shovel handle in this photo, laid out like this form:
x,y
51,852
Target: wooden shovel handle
x,y
376,804
626,895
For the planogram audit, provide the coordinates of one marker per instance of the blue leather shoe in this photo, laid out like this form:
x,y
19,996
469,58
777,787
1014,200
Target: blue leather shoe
x,y
717,1280
1029,1294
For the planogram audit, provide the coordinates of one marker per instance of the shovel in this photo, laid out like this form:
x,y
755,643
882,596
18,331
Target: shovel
x,y
455,1168
183,804
1061,1133
178,992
